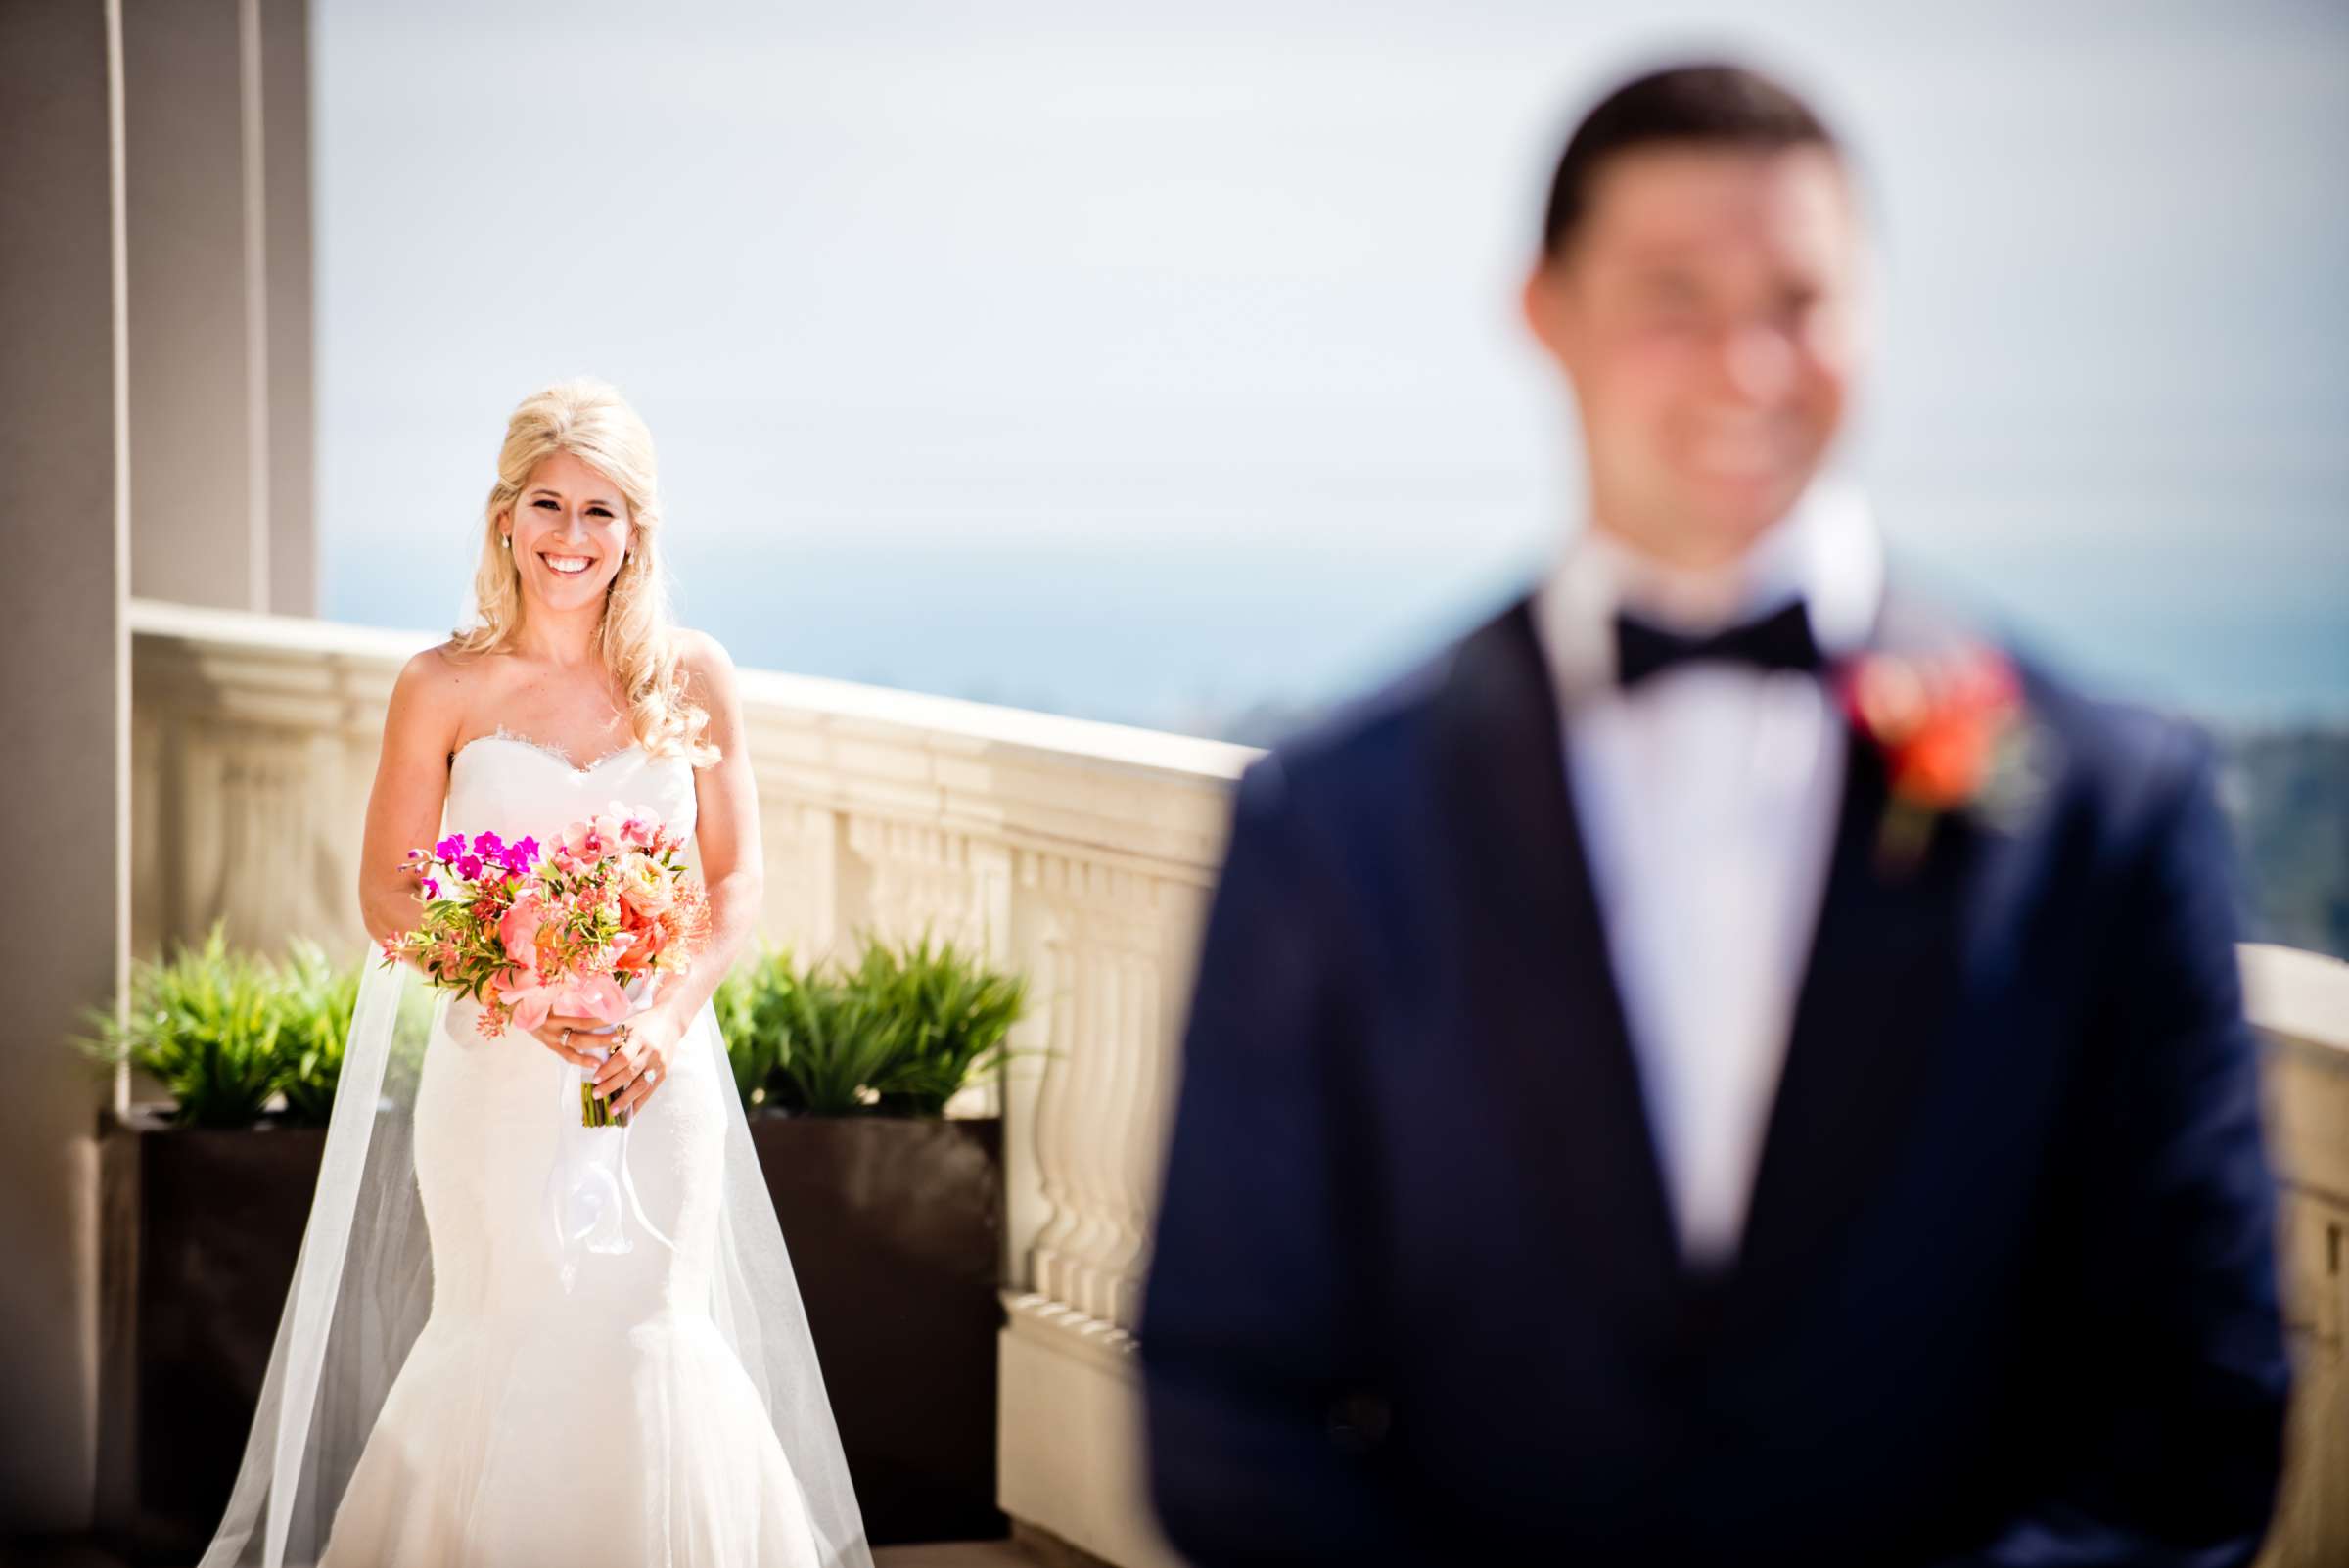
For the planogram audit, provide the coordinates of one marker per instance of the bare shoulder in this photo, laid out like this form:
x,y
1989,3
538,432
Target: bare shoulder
x,y
705,660
433,669
430,695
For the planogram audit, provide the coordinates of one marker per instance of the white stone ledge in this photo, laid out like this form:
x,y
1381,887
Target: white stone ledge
x,y
1070,1329
2301,996
1137,797
286,634
951,723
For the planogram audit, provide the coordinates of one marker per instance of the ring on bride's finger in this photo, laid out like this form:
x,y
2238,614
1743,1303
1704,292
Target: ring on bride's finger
x,y
567,1039
652,1074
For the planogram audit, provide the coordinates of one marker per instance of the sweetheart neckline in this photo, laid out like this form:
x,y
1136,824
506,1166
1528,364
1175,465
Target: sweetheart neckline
x,y
553,754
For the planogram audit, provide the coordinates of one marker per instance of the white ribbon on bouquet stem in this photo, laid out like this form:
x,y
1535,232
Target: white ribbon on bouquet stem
x,y
589,1191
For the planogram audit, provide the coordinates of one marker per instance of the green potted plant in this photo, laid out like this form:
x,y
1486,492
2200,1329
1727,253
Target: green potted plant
x,y
315,1001
892,1210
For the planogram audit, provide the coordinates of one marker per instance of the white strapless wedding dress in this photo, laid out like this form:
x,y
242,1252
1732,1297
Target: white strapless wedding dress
x,y
611,1424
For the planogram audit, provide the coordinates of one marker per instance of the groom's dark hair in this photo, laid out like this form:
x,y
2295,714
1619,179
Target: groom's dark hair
x,y
1708,105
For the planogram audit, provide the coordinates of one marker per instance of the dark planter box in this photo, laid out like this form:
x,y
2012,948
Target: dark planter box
x,y
203,1226
896,1229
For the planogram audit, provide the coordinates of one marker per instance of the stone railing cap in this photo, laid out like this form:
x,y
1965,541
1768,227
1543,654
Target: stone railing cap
x,y
1092,740
2303,995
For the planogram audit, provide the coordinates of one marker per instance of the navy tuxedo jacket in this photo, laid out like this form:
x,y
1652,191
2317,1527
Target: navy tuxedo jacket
x,y
2007,1290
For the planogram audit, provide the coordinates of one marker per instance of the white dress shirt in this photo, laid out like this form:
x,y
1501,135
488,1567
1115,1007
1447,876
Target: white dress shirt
x,y
1707,799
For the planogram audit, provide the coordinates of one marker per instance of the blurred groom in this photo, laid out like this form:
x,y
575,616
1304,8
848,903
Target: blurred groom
x,y
1727,1063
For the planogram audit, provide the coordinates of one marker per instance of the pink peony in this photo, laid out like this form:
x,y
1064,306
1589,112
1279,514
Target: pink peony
x,y
519,929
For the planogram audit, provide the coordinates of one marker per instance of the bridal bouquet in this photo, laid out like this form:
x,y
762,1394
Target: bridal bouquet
x,y
585,926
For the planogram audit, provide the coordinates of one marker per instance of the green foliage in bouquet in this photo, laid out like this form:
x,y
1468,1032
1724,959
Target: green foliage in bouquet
x,y
899,1033
234,1035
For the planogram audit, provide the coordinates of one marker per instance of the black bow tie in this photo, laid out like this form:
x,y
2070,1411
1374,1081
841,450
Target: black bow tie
x,y
1779,640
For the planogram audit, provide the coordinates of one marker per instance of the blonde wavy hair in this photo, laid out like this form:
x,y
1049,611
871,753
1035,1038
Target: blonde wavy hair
x,y
592,422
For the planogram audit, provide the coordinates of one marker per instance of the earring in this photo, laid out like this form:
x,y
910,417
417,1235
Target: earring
x,y
506,540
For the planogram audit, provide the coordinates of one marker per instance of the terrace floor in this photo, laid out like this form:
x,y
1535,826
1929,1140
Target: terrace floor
x,y
68,1552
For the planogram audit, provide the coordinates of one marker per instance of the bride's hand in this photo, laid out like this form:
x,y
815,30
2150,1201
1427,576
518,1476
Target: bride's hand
x,y
567,1037
640,1064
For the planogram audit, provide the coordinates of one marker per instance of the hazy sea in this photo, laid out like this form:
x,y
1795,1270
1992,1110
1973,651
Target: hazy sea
x,y
1244,634
1156,633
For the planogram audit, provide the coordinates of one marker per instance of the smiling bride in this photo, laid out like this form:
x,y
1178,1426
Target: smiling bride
x,y
451,1385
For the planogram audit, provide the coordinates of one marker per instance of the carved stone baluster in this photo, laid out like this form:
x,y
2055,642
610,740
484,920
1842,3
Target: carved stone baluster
x,y
1137,1149
1062,1113
266,892
1060,1132
1094,1057
1096,1116
918,879
1120,1047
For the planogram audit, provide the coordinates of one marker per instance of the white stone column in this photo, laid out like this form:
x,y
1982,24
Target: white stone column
x,y
217,121
63,474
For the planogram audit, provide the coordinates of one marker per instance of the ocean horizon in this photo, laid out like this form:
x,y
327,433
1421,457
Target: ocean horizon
x,y
1220,640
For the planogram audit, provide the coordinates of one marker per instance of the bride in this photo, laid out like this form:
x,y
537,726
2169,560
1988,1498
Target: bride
x,y
452,1383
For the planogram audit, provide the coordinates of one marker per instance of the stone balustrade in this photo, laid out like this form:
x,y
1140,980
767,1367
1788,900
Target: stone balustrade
x,y
2300,1001
1077,854
1080,855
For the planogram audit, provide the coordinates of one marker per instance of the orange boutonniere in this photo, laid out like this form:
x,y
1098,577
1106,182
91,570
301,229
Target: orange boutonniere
x,y
1950,730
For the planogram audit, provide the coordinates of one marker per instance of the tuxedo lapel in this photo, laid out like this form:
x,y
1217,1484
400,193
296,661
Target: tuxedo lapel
x,y
1878,985
1880,977
1539,986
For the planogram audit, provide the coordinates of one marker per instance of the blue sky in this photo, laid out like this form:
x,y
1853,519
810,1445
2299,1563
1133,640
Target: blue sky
x,y
1150,368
